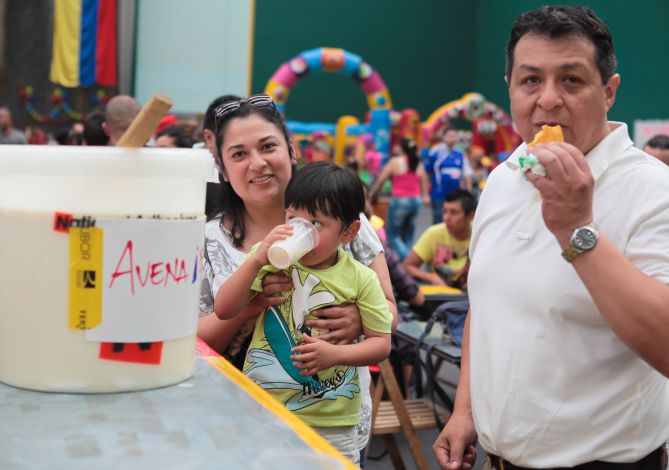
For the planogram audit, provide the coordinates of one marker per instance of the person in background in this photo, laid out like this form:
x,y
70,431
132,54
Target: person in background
x,y
448,169
72,135
444,246
408,184
214,196
119,113
35,135
175,137
8,134
658,147
94,132
564,356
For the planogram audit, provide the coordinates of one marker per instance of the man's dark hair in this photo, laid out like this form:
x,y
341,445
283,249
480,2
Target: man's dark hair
x,y
328,188
558,21
94,133
660,141
209,121
467,200
181,138
231,203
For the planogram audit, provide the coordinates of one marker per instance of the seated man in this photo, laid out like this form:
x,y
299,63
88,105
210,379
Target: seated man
x,y
445,246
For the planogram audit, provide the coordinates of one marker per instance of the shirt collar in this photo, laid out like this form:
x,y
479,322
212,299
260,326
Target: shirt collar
x,y
599,157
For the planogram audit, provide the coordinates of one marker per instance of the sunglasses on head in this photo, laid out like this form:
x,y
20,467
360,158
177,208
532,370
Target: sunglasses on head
x,y
255,101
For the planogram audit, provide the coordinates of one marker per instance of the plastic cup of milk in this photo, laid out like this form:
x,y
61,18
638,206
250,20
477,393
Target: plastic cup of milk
x,y
288,251
100,249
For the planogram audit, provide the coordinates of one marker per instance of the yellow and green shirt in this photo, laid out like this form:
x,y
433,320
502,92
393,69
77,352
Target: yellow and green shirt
x,y
332,397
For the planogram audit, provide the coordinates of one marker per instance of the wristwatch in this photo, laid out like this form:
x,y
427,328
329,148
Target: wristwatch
x,y
583,238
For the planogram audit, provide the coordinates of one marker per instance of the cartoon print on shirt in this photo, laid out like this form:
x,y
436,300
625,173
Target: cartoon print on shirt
x,y
303,301
272,368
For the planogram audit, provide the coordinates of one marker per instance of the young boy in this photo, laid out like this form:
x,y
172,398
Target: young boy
x,y
316,380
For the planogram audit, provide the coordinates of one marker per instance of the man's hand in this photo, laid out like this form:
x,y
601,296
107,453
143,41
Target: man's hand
x,y
566,190
313,356
343,321
455,448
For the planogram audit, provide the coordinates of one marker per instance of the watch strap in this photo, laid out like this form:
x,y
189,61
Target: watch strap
x,y
571,252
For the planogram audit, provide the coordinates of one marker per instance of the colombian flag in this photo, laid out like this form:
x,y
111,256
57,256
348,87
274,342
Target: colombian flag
x,y
84,43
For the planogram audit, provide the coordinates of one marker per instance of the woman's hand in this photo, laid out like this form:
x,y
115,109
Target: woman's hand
x,y
280,232
343,321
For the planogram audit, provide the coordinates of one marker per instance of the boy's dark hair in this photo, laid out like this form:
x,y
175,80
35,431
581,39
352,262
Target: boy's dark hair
x,y
94,133
467,199
328,188
557,21
231,203
660,141
181,138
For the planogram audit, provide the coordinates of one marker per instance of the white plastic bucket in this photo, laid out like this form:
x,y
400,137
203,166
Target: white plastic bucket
x,y
99,254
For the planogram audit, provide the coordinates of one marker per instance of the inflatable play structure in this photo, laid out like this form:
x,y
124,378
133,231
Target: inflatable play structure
x,y
492,130
340,61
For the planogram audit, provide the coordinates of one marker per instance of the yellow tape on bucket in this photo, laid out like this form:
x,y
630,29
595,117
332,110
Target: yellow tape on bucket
x,y
85,277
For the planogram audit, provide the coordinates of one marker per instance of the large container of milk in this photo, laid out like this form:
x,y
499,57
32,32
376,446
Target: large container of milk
x,y
99,260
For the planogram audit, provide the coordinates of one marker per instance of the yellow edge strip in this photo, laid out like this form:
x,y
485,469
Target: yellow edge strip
x,y
308,435
252,20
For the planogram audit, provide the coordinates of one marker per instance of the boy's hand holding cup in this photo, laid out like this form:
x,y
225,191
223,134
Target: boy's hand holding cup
x,y
304,238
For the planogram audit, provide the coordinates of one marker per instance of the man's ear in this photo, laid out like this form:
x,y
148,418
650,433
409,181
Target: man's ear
x,y
105,127
610,90
350,232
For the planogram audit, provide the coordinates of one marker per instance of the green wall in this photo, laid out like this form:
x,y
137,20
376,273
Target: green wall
x,y
433,51
422,49
640,36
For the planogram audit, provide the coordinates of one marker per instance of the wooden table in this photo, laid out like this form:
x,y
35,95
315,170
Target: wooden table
x,y
216,419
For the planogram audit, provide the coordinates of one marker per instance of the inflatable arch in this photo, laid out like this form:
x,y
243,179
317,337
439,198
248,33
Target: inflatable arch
x,y
336,60
492,128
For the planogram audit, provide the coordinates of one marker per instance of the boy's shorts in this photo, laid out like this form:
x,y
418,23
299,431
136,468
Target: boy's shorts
x,y
342,438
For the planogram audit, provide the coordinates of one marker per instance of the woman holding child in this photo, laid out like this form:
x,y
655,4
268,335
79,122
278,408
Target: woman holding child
x,y
256,160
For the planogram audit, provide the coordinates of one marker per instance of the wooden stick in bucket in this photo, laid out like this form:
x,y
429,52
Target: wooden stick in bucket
x,y
143,126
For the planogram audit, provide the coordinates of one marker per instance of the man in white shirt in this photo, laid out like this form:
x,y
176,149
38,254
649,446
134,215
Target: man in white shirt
x,y
565,358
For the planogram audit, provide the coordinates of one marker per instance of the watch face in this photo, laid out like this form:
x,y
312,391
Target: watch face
x,y
585,239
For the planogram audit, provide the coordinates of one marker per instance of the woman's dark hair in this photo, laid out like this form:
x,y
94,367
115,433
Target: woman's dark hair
x,y
323,186
231,204
559,21
94,133
409,148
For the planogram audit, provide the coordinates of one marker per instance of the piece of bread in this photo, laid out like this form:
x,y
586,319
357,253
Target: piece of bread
x,y
547,134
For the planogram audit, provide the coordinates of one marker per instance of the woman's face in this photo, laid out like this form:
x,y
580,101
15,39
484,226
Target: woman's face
x,y
256,159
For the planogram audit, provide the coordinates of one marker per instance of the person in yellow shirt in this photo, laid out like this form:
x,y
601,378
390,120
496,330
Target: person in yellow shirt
x,y
445,246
